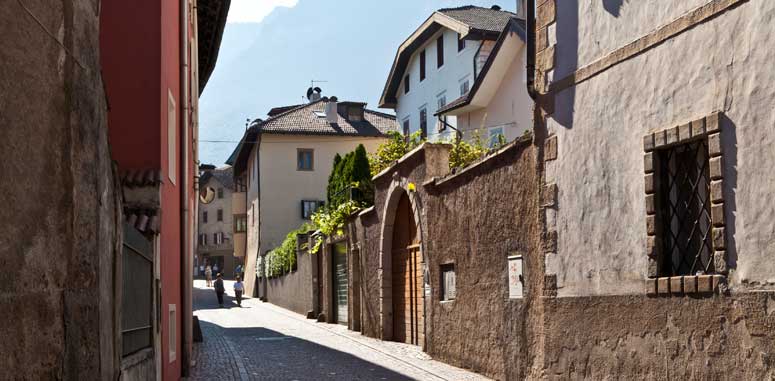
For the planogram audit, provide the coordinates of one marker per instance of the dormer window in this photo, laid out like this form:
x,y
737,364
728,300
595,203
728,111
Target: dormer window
x,y
355,113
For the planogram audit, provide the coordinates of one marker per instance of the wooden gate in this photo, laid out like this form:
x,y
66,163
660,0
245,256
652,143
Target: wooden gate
x,y
407,278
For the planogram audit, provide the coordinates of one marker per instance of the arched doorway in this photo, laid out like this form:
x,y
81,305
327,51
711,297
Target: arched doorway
x,y
407,276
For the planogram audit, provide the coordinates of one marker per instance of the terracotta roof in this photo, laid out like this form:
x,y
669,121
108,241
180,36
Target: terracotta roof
x,y
302,120
140,178
478,18
279,110
224,175
144,220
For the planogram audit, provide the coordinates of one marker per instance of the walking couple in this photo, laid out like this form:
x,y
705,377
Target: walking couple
x,y
239,288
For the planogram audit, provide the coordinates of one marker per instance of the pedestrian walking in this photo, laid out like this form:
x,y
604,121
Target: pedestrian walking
x,y
208,276
201,270
238,271
219,289
238,289
215,268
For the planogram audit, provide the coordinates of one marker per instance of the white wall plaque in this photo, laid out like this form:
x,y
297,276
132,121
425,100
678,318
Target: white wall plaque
x,y
515,277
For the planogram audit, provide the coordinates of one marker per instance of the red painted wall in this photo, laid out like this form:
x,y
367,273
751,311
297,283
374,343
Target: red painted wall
x,y
140,52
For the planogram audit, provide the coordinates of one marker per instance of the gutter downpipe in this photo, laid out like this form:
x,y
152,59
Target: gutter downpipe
x,y
531,48
185,263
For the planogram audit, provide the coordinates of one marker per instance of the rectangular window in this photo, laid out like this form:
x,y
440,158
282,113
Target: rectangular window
x,y
441,101
424,123
464,87
447,282
440,51
683,209
173,334
239,184
422,65
496,137
220,215
240,223
406,127
309,207
304,159
220,192
172,152
204,217
406,84
461,43
137,291
215,238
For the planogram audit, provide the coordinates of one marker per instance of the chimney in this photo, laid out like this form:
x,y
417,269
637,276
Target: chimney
x,y
496,7
332,113
313,94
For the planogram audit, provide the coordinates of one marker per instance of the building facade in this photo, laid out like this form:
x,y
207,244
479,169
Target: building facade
x,y
153,126
442,64
286,161
217,223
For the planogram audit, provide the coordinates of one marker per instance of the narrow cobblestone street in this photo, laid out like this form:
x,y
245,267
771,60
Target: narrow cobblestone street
x,y
261,341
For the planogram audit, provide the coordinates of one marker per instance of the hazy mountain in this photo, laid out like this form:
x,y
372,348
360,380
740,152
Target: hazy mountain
x,y
349,43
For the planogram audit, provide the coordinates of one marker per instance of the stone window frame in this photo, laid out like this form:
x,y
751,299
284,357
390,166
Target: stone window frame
x,y
709,128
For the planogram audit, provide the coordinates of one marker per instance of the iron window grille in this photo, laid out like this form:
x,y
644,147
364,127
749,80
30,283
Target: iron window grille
x,y
684,216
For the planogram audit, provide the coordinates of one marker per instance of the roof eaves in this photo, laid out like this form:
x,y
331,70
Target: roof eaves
x,y
511,27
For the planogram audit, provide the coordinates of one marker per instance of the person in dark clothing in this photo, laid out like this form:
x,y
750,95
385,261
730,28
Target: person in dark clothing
x,y
219,289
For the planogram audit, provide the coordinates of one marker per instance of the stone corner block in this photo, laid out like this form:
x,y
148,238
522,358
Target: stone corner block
x,y
717,214
671,135
663,286
719,239
684,132
716,168
720,261
704,283
712,122
550,148
550,195
649,184
651,287
714,145
690,284
550,241
648,162
717,191
676,285
648,143
698,127
650,204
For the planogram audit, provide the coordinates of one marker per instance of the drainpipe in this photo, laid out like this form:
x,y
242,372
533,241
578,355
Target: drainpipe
x,y
531,48
185,228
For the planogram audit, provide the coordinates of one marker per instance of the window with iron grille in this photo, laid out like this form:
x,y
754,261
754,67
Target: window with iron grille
x,y
137,292
683,209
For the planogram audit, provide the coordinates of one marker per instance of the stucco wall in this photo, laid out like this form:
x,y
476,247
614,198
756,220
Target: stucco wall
x,y
510,108
718,65
293,291
457,66
62,207
476,220
213,226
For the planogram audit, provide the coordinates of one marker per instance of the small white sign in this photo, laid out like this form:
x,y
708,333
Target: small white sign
x,y
515,277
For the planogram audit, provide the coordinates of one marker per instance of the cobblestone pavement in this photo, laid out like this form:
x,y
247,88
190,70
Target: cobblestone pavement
x,y
261,341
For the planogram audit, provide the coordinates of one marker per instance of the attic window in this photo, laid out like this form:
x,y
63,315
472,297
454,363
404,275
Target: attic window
x,y
320,114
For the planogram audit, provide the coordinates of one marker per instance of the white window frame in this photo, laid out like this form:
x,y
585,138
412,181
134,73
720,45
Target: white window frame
x,y
173,334
172,143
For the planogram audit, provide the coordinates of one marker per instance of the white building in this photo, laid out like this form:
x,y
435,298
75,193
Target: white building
x,y
446,60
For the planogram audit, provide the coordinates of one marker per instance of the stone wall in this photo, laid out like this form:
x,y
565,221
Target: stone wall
x,y
61,210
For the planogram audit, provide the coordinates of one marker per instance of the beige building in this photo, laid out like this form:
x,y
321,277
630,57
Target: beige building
x,y
217,222
286,160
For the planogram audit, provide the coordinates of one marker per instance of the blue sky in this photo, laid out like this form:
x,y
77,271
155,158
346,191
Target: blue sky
x,y
272,49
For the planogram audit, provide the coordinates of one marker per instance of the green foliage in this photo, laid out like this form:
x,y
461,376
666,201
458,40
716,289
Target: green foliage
x,y
395,148
349,172
330,220
465,153
282,259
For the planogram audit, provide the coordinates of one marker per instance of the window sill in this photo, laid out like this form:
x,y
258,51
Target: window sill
x,y
447,302
691,285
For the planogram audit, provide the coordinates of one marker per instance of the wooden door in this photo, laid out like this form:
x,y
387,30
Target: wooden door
x,y
407,278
